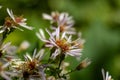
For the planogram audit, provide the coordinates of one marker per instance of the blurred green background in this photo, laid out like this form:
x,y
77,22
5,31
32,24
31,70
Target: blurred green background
x,y
98,20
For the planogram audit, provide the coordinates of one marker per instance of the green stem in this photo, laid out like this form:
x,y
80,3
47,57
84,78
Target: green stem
x,y
70,72
62,57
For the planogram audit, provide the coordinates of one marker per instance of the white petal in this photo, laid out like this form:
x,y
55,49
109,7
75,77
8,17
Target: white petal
x,y
1,31
34,53
49,45
11,14
51,36
69,39
58,33
5,65
18,28
103,74
40,54
73,54
5,76
5,46
42,33
76,50
70,32
53,42
25,26
57,51
63,35
28,57
61,17
46,16
41,37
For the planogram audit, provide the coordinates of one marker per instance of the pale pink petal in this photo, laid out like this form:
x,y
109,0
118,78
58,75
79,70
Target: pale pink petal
x,y
46,16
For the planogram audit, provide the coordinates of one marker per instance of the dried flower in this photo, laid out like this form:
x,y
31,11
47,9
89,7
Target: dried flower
x,y
106,75
63,67
86,62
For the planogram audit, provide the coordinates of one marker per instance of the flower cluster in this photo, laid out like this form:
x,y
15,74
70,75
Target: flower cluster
x,y
47,63
7,51
61,43
62,20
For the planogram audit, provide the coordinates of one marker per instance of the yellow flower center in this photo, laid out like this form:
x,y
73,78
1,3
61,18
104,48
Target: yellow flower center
x,y
63,45
32,64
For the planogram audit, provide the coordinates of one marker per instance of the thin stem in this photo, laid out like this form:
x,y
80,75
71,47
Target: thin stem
x,y
70,72
62,57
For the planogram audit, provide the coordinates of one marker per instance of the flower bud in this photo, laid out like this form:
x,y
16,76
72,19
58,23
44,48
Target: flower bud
x,y
83,64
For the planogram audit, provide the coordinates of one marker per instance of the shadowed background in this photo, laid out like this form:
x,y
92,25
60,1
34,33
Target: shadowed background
x,y
98,20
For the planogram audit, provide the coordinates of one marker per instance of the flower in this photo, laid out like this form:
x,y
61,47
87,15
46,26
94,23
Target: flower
x,y
86,62
61,42
53,17
106,76
33,62
3,72
16,64
7,50
17,20
31,67
8,25
64,69
63,20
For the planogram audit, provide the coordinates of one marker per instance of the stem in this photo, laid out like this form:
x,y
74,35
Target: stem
x,y
70,72
62,57
59,75
51,51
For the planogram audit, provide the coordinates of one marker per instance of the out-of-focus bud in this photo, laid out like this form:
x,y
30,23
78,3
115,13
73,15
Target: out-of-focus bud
x,y
24,45
0,7
86,62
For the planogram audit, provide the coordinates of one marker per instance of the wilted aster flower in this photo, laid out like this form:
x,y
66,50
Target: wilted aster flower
x,y
86,62
15,21
63,20
106,75
62,43
3,72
